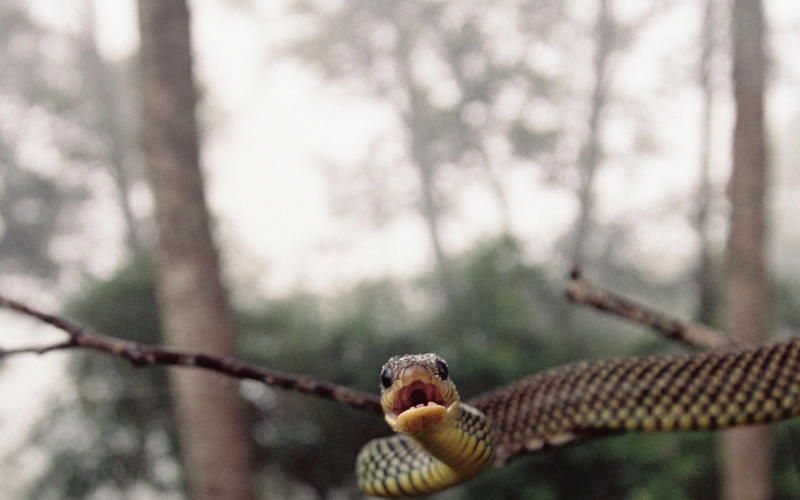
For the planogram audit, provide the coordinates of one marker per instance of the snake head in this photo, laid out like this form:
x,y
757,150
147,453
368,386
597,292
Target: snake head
x,y
417,393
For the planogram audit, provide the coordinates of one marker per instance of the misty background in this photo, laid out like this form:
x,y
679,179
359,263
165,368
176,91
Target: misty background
x,y
383,178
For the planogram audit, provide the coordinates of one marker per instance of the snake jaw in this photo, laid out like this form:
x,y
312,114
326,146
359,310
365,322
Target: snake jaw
x,y
417,406
415,395
442,441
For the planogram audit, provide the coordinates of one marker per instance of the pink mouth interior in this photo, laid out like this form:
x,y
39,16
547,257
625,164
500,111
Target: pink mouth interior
x,y
416,394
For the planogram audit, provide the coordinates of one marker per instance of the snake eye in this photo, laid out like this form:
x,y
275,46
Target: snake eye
x,y
386,378
441,367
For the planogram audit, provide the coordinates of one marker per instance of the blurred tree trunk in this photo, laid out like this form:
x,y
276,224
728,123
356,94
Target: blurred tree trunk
x,y
116,127
746,452
418,118
589,159
431,212
591,153
707,295
495,185
193,306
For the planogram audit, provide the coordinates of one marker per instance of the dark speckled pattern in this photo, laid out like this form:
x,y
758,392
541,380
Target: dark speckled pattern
x,y
691,392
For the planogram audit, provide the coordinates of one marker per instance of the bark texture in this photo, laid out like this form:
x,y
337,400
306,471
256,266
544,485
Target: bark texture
x,y
746,452
193,307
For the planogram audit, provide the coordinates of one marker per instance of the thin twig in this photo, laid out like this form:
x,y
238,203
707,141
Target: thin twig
x,y
581,291
140,354
37,350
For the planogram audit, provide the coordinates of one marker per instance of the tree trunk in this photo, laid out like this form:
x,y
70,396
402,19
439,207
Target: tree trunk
x,y
430,212
118,132
193,307
746,452
494,183
590,152
588,162
426,165
706,307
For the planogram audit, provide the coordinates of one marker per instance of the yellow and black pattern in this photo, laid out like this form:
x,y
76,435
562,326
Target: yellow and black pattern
x,y
588,399
399,467
443,441
691,392
396,466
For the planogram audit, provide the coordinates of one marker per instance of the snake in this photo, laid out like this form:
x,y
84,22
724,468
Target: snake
x,y
440,441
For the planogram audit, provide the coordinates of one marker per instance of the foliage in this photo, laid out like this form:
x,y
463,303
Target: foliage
x,y
64,112
34,102
117,431
461,80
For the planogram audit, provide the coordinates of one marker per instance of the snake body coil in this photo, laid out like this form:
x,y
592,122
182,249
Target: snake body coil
x,y
443,442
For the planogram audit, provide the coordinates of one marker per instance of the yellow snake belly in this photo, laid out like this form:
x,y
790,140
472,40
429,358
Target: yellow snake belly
x,y
400,466
589,399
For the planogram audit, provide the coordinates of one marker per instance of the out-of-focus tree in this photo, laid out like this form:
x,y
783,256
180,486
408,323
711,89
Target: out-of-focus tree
x,y
112,116
77,109
704,278
606,38
40,150
606,41
605,103
746,453
116,435
463,81
193,307
67,123
113,434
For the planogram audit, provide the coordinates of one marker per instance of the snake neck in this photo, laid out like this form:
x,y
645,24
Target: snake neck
x,y
463,442
419,463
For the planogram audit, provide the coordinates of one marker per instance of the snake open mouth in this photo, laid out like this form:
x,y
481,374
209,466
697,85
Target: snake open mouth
x,y
417,394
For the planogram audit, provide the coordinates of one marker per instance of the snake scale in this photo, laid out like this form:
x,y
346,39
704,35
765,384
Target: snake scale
x,y
442,441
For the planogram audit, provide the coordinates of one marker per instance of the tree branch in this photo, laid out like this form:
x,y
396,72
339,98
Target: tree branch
x,y
579,291
692,334
140,354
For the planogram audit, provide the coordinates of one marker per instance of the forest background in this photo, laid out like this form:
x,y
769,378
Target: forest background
x,y
384,177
